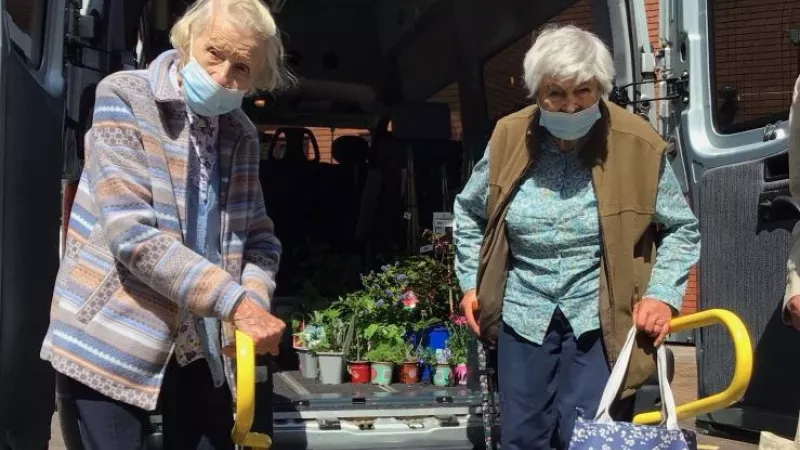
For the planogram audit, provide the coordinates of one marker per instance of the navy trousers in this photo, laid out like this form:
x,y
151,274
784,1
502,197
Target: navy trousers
x,y
542,387
195,414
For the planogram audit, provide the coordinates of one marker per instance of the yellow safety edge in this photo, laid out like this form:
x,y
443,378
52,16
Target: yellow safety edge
x,y
741,374
246,396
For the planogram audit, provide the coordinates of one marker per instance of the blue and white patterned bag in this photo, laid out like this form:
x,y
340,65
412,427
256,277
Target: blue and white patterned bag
x,y
603,433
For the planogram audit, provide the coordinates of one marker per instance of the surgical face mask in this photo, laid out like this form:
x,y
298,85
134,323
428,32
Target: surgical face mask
x,y
570,127
204,96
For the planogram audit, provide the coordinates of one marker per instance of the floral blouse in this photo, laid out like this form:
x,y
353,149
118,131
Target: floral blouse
x,y
554,237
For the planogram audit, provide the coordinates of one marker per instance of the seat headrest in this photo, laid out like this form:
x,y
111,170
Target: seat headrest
x,y
350,150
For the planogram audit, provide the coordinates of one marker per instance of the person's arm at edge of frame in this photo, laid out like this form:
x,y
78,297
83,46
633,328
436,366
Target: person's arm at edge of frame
x,y
790,309
469,225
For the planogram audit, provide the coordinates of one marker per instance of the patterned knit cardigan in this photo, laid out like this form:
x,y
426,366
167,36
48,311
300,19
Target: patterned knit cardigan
x,y
126,273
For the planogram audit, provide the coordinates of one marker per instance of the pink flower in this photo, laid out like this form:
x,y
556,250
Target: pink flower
x,y
409,299
459,320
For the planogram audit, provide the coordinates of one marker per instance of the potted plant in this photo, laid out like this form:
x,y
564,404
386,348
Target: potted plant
x,y
309,339
297,328
427,361
458,345
387,347
382,358
358,368
330,351
409,367
443,372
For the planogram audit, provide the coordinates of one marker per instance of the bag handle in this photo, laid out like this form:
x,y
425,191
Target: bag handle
x,y
618,375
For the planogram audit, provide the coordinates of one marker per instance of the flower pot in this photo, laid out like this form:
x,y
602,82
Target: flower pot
x,y
427,373
331,367
409,373
461,374
443,375
308,362
382,373
359,372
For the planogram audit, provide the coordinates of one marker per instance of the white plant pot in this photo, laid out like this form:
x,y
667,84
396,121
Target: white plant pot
x,y
331,367
308,363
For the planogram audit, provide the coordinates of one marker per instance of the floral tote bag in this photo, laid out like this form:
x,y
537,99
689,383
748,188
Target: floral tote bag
x,y
604,433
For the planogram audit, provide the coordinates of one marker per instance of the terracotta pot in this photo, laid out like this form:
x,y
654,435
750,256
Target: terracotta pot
x,y
409,373
359,372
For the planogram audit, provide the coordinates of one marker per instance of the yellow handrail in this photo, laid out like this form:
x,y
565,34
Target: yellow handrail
x,y
246,396
741,374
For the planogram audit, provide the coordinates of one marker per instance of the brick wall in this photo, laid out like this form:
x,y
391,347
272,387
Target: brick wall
x,y
450,95
755,56
502,74
21,12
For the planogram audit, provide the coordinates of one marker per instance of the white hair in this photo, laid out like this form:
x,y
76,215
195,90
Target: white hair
x,y
252,14
568,53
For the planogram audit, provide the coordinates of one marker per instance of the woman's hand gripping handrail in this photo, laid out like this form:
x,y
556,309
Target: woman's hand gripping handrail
x,y
246,396
741,375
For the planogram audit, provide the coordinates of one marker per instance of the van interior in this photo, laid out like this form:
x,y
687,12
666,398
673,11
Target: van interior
x,y
396,102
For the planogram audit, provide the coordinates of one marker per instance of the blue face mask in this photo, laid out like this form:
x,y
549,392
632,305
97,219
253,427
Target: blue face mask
x,y
205,96
570,127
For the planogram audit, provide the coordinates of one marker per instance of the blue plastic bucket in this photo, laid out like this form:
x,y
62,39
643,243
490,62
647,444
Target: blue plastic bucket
x,y
436,337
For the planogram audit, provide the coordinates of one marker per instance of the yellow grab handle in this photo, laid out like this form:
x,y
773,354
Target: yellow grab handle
x,y
246,396
741,374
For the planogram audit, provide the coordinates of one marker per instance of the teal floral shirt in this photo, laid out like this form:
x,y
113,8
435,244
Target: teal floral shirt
x,y
554,238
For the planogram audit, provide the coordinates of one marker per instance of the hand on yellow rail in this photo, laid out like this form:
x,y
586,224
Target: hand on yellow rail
x,y
741,374
246,396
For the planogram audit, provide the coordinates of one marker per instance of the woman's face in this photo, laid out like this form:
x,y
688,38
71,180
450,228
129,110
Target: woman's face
x,y
566,95
233,56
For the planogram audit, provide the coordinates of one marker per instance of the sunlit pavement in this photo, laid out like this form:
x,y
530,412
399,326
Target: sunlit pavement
x,y
684,387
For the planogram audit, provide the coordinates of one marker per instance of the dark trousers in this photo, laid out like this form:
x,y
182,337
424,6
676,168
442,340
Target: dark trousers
x,y
195,414
542,387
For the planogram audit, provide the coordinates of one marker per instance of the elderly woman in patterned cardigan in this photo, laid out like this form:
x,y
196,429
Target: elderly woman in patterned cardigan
x,y
571,229
169,244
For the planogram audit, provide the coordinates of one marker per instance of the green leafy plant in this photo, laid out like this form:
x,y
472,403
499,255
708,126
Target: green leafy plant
x,y
458,342
333,328
387,352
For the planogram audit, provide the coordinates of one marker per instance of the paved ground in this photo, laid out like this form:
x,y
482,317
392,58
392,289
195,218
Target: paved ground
x,y
684,386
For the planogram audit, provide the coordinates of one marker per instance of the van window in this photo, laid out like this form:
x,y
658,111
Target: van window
x,y
755,51
25,22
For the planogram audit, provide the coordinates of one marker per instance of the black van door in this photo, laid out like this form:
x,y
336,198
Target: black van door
x,y
31,125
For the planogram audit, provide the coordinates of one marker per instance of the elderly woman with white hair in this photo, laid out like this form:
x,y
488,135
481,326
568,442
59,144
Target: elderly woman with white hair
x,y
571,230
169,245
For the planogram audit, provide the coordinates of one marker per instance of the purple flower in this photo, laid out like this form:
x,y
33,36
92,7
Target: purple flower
x,y
401,277
379,303
388,292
